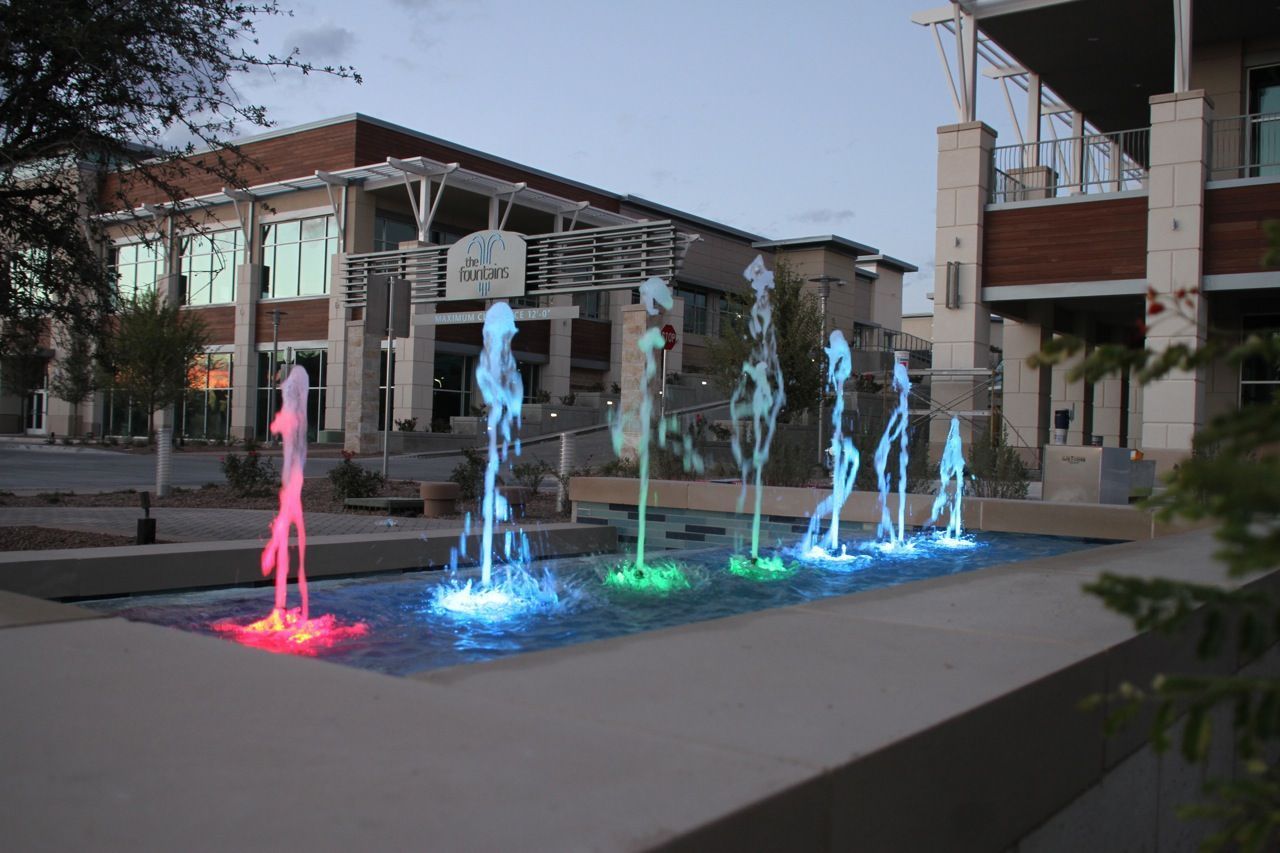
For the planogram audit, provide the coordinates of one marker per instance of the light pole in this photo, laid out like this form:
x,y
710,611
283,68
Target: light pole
x,y
824,283
276,314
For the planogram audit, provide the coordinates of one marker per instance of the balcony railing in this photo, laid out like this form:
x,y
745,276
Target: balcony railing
x,y
1076,165
1246,146
868,338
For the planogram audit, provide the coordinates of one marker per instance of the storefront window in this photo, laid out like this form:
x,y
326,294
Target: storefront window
x,y
451,395
1260,378
315,362
206,409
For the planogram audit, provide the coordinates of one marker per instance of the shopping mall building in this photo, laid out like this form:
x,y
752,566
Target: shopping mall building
x,y
298,266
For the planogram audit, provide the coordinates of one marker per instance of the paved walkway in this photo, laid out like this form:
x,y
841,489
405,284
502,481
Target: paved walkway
x,y
210,525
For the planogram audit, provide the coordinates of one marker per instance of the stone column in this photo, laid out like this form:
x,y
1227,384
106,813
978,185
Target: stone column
x,y
1071,395
415,370
335,387
363,362
634,323
244,356
1108,406
1173,408
1027,389
962,333
555,374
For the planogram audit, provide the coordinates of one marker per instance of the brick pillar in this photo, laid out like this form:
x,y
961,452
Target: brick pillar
x,y
1173,408
961,334
554,376
1027,389
244,356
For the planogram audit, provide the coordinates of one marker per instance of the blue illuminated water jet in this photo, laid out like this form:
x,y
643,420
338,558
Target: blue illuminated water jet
x,y
951,492
516,591
844,464
893,535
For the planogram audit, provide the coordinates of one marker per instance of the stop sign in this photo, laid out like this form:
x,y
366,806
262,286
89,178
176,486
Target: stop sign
x,y
669,335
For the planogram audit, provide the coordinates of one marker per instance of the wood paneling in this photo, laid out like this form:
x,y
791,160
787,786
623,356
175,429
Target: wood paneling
x,y
304,320
219,322
296,155
591,339
1085,241
1234,241
532,336
374,144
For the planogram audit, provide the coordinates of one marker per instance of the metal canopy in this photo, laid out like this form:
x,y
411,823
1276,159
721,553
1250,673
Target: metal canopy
x,y
611,258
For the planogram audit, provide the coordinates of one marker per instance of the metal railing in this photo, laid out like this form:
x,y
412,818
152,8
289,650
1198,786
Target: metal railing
x,y
878,339
1076,165
1244,146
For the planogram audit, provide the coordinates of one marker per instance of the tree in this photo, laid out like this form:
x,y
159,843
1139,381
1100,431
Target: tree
x,y
1233,479
119,88
152,350
74,378
798,321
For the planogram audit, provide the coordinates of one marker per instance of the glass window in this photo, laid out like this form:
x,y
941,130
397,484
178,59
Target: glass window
x,y
528,379
588,304
390,230
1259,378
451,395
1264,107
315,362
695,311
209,264
137,266
297,254
206,410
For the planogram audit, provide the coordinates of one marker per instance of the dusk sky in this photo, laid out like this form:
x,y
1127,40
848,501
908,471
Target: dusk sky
x,y
783,119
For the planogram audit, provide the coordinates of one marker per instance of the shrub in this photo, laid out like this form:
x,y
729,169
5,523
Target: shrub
x,y
405,425
569,399
531,474
791,463
250,475
542,396
469,473
352,481
620,468
997,469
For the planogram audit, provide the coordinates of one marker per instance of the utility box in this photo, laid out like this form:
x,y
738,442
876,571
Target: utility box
x,y
1091,475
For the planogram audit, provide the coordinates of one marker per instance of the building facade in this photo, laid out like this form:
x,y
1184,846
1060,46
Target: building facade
x,y
1142,168
266,269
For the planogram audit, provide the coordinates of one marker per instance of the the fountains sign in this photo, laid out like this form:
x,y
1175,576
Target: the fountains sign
x,y
486,265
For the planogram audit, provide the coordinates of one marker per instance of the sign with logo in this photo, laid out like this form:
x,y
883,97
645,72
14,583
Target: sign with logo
x,y
669,335
485,265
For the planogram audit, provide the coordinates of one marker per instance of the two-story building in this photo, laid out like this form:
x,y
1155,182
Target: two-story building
x,y
1143,164
268,265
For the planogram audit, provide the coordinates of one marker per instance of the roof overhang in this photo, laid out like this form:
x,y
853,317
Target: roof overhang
x,y
1107,58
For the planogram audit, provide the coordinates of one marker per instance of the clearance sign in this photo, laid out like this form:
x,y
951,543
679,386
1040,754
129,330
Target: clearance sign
x,y
486,265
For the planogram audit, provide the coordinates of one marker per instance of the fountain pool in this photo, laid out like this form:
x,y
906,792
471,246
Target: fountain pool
x,y
407,634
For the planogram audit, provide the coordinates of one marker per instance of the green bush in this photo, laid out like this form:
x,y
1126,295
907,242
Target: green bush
x,y
469,473
352,481
791,463
997,469
250,475
531,474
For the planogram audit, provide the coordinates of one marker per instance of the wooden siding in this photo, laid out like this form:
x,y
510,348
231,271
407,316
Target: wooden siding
x,y
296,155
1234,241
374,144
591,339
219,322
304,320
532,336
1085,241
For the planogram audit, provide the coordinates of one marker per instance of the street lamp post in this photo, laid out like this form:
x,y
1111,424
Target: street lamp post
x,y
824,283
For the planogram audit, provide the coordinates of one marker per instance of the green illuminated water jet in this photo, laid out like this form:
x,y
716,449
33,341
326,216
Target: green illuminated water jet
x,y
665,576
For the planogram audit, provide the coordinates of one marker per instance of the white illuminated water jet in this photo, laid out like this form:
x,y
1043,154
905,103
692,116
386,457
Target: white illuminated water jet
x,y
503,394
951,473
893,535
844,462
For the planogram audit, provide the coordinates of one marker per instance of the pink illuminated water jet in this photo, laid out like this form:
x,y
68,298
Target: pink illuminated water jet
x,y
285,630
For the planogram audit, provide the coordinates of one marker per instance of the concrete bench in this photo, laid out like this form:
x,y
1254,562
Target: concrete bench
x,y
411,505
439,498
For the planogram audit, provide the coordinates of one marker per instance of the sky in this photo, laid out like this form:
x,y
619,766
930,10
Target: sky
x,y
782,119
